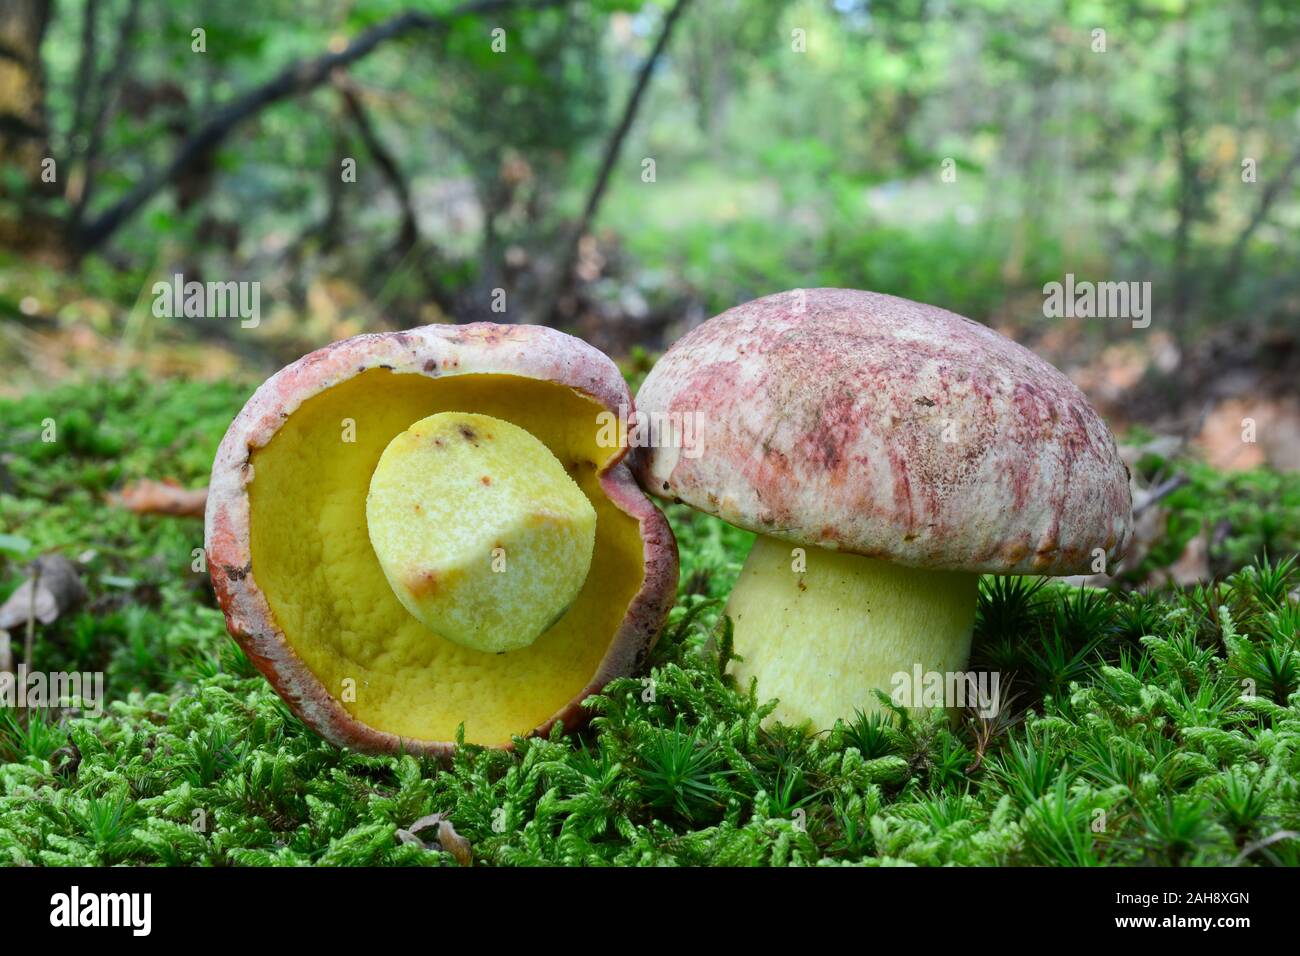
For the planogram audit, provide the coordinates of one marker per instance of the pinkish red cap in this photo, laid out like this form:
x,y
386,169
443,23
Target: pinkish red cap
x,y
875,425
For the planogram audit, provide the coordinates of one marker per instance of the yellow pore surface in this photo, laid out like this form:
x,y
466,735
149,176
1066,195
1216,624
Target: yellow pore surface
x,y
482,534
313,559
824,633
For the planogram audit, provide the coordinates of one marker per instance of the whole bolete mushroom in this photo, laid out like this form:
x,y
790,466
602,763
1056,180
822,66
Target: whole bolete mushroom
x,y
902,450
416,530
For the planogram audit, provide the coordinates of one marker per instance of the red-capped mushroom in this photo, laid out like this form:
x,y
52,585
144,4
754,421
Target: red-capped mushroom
x,y
887,453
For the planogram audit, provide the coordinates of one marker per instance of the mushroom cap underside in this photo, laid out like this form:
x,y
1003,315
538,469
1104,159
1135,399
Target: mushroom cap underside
x,y
302,589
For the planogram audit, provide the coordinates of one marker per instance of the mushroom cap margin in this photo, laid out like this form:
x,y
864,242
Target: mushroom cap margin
x,y
527,351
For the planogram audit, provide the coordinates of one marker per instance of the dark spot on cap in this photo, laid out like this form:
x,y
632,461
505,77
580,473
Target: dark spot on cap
x,y
927,402
487,480
467,433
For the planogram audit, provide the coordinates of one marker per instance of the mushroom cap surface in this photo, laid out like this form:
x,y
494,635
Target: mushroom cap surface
x,y
323,421
875,425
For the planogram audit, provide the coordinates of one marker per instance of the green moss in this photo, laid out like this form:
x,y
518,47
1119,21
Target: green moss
x,y
1126,738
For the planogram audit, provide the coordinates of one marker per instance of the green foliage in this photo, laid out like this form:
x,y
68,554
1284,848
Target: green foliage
x,y
1259,509
961,154
1129,737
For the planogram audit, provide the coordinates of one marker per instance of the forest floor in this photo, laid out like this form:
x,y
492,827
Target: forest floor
x,y
1153,722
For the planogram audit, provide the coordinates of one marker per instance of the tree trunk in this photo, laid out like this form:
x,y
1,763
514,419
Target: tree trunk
x,y
22,84
24,139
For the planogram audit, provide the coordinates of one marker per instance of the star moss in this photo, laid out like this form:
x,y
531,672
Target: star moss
x,y
1141,727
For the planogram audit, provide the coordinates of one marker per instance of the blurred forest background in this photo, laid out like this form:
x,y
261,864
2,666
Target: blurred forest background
x,y
624,170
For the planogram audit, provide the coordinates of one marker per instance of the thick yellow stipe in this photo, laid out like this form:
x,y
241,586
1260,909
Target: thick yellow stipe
x,y
313,559
482,534
825,638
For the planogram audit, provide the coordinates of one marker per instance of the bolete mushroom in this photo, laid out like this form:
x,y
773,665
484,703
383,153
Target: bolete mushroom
x,y
887,453
416,530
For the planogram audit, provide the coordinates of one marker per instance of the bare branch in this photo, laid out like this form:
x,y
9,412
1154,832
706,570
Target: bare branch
x,y
382,156
564,272
108,89
1236,256
294,80
85,67
1188,190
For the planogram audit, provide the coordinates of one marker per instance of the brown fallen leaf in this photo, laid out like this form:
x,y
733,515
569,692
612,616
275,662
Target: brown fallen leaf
x,y
454,843
1192,566
432,820
1221,439
451,841
52,589
406,836
166,497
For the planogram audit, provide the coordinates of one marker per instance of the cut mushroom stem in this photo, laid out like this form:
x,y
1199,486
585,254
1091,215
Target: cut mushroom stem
x,y
823,630
482,534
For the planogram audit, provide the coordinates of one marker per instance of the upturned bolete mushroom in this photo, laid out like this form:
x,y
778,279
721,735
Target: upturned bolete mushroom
x,y
887,453
416,530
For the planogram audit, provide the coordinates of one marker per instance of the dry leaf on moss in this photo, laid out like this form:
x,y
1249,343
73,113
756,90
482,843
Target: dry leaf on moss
x,y
454,843
52,588
166,497
448,838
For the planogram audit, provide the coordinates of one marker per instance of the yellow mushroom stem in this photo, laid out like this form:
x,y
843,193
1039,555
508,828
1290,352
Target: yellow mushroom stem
x,y
481,532
822,630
